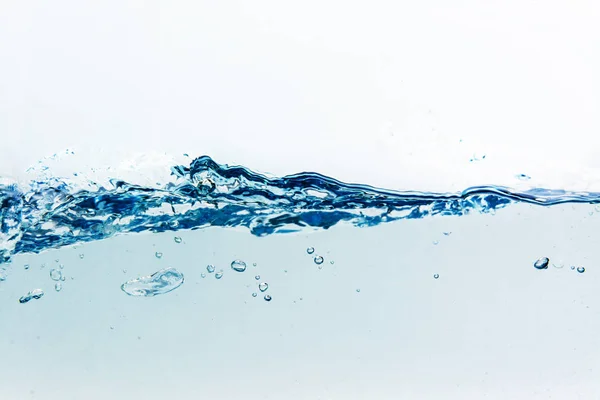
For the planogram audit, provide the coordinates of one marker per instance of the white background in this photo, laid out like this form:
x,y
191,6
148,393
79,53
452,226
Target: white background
x,y
378,92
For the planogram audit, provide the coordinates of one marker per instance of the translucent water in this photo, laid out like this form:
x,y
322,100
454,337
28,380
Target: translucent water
x,y
374,324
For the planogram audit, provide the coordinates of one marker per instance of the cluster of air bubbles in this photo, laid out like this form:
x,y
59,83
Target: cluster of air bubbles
x,y
238,266
56,274
177,239
542,263
210,268
158,254
33,295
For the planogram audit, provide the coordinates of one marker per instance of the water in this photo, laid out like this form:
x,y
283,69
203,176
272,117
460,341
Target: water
x,y
371,324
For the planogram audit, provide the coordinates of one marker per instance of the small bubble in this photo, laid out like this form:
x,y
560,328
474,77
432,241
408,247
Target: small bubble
x,y
447,233
61,266
254,264
33,295
219,275
203,275
435,276
597,208
238,266
542,263
254,294
82,256
436,242
357,290
210,268
124,271
62,278
310,250
581,270
58,286
57,260
267,297
158,254
257,277
26,266
177,239
523,177
319,260
331,262
263,286
55,274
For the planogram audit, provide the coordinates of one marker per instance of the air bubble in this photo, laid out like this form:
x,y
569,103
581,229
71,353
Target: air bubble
x,y
572,267
263,286
254,294
26,266
203,275
436,242
33,295
254,264
58,286
542,263
55,274
267,297
160,282
310,250
81,256
435,276
319,260
238,266
177,239
158,255
257,277
219,275
357,290
210,268
581,270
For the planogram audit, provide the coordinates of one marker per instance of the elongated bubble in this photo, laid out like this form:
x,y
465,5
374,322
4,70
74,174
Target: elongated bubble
x,y
160,282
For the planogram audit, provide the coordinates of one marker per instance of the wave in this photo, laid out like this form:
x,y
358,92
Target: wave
x,y
54,212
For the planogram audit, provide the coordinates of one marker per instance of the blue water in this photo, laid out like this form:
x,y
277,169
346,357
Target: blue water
x,y
226,284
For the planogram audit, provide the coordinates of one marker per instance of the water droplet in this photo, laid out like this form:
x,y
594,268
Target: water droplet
x,y
267,297
160,282
203,275
435,276
219,275
158,254
263,286
58,286
436,242
254,294
581,270
319,260
81,256
257,277
177,239
33,295
542,263
238,266
210,268
310,250
55,274
26,266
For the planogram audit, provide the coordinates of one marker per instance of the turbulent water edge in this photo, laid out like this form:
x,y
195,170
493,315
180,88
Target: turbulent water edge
x,y
53,212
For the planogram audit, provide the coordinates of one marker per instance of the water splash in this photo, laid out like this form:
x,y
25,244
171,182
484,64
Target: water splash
x,y
53,212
